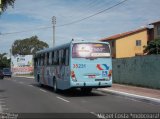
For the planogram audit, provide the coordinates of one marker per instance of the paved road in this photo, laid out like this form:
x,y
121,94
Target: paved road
x,y
22,95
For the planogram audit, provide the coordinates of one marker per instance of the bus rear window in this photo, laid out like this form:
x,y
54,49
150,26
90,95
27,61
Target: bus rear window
x,y
90,50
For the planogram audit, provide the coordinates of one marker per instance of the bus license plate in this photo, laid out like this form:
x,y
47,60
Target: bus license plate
x,y
91,77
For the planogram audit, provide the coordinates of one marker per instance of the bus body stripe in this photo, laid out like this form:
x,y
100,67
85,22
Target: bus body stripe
x,y
99,67
107,67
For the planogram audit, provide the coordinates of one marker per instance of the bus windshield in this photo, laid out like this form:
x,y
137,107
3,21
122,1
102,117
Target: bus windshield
x,y
90,50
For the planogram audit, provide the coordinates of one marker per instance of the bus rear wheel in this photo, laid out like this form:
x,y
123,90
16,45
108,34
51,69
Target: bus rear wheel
x,y
86,90
55,86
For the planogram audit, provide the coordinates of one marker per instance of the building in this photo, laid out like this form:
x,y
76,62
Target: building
x,y
129,44
156,29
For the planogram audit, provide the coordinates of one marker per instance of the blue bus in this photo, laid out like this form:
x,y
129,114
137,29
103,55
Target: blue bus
x,y
78,64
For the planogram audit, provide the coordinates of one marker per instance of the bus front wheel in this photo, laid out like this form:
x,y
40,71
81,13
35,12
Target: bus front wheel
x,y
38,80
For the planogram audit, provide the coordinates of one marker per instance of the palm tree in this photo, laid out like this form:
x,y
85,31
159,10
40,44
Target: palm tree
x,y
6,3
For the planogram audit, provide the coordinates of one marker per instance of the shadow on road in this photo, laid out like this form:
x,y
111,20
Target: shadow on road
x,y
70,92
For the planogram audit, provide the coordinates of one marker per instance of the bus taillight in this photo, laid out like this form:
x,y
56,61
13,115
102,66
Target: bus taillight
x,y
73,75
110,73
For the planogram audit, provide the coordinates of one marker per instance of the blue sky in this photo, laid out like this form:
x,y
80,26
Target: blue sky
x,y
32,14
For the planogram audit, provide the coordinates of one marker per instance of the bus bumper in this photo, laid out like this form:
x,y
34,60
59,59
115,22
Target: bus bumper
x,y
92,84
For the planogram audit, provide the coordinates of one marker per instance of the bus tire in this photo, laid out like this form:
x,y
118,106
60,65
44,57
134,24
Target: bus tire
x,y
38,80
55,85
86,90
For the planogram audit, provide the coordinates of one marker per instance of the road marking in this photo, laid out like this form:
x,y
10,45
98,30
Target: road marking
x,y
43,90
63,99
94,113
30,85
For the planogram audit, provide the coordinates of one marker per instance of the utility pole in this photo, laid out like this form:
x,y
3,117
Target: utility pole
x,y
54,23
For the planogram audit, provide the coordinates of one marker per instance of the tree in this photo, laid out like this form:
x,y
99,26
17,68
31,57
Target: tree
x,y
153,47
28,46
4,62
6,3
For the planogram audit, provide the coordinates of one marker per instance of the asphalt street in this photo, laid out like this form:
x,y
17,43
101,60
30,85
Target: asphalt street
x,y
23,95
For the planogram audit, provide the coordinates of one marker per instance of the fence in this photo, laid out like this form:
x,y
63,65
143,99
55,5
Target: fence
x,y
140,71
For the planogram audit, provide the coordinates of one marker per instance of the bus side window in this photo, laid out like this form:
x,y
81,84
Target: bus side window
x,y
50,58
60,57
35,61
53,57
39,60
47,58
42,59
63,56
66,57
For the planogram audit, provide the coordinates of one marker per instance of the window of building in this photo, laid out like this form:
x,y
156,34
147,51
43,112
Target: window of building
x,y
158,30
138,42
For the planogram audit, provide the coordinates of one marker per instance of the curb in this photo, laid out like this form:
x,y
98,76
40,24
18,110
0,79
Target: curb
x,y
133,96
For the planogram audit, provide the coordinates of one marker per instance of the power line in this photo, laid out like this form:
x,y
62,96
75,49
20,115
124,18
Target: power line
x,y
74,22
40,28
92,14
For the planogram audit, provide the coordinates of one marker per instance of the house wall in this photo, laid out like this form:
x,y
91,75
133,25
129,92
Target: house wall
x,y
126,46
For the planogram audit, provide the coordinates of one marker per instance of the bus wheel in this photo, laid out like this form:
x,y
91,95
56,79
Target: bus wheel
x,y
55,86
86,90
39,83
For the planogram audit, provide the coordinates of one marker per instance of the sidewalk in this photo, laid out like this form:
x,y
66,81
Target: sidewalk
x,y
145,94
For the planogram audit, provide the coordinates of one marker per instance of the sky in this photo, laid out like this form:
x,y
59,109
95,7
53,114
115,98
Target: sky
x,y
28,16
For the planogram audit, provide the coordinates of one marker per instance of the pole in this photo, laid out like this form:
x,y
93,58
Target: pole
x,y
54,23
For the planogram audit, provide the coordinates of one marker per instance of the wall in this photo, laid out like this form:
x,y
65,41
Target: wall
x,y
126,46
140,71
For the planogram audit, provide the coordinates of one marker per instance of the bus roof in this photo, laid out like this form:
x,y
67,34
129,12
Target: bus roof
x,y
66,45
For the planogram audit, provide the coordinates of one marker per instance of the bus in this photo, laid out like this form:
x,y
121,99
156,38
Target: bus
x,y
78,64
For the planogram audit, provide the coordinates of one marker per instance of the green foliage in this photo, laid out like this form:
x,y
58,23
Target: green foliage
x,y
6,3
4,62
153,47
28,46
